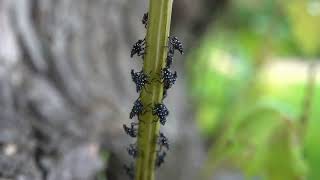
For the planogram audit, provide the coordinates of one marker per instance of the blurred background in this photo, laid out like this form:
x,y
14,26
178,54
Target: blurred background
x,y
245,106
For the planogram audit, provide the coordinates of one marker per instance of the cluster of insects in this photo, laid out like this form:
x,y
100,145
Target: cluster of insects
x,y
160,112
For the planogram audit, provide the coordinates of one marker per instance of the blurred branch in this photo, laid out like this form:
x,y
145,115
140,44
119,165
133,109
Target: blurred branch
x,y
309,94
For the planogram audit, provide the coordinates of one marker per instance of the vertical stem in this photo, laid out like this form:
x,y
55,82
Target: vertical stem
x,y
156,52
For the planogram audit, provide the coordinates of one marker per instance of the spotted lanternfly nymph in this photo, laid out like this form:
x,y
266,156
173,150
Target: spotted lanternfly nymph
x,y
144,80
140,79
145,19
137,109
170,57
163,141
161,111
138,48
129,170
168,78
160,158
132,150
176,44
132,131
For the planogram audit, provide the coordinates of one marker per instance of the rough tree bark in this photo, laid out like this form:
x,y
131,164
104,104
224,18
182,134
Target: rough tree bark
x,y
65,90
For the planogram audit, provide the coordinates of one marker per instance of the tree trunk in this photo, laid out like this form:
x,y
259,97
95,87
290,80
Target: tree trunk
x,y
65,91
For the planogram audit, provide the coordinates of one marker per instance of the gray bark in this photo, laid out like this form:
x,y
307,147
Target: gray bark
x,y
65,90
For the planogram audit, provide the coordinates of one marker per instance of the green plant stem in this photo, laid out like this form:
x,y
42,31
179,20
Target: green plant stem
x,y
156,52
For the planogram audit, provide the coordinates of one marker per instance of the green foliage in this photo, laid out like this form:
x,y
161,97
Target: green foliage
x,y
253,118
304,17
312,147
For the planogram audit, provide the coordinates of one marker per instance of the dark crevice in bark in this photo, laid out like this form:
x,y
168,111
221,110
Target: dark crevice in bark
x,y
117,164
26,57
39,153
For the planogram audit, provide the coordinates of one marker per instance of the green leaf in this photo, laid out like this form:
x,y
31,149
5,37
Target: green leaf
x,y
283,158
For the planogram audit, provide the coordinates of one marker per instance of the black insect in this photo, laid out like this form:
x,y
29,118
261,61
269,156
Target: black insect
x,y
145,19
137,108
132,150
132,130
140,79
161,111
170,55
168,78
163,141
138,48
129,170
160,159
176,44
